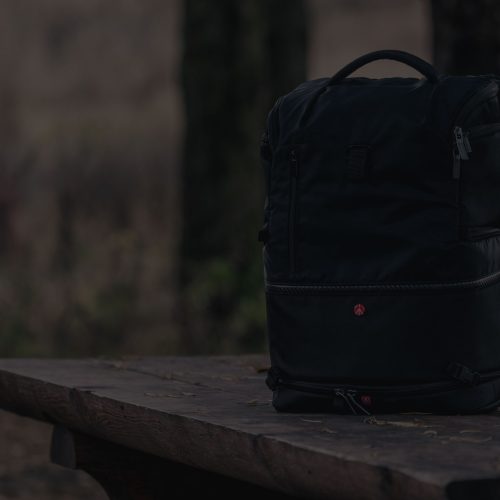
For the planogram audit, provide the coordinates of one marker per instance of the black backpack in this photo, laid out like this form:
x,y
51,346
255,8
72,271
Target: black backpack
x,y
382,243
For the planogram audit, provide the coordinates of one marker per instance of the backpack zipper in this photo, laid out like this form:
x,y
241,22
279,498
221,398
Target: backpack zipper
x,y
292,215
460,151
353,394
461,145
396,390
350,397
266,154
326,389
378,288
485,93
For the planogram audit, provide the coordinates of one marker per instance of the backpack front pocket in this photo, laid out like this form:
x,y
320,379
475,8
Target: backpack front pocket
x,y
480,181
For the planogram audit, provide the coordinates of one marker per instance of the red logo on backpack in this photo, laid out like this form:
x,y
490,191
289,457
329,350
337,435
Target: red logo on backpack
x,y
359,309
366,400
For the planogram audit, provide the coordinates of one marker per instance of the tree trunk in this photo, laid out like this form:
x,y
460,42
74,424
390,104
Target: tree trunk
x,y
466,36
239,57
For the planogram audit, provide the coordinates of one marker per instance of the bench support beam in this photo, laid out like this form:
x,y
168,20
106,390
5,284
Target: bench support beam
x,y
127,474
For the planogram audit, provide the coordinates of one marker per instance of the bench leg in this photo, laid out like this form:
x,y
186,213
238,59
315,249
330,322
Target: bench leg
x,y
127,474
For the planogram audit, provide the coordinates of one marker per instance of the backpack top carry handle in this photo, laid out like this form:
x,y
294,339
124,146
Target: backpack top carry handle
x,y
396,55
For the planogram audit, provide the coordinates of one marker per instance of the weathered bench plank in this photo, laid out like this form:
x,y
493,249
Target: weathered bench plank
x,y
215,414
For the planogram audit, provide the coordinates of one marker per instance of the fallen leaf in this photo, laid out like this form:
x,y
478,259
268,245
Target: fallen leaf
x,y
430,433
262,369
256,402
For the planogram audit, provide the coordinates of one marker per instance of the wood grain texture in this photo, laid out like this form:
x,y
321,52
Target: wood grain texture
x,y
215,414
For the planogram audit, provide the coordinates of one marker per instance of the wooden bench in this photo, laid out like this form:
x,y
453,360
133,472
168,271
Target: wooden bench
x,y
152,428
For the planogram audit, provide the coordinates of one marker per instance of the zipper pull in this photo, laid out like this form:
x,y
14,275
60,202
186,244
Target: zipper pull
x,y
295,163
462,143
350,398
460,151
340,393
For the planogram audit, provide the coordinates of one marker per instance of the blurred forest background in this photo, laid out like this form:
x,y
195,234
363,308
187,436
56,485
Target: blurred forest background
x,y
130,186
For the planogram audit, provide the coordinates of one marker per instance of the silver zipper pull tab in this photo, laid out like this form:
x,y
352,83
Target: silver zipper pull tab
x,y
462,143
341,394
350,398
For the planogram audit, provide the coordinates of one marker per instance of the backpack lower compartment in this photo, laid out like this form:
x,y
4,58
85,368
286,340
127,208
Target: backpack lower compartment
x,y
392,336
453,398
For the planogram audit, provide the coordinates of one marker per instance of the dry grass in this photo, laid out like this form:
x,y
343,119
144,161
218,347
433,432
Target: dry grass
x,y
89,154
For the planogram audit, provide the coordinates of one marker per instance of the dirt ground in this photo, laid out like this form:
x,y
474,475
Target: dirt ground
x,y
25,470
